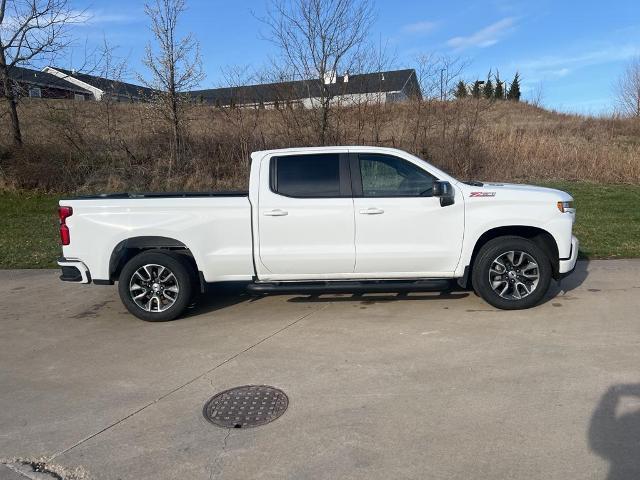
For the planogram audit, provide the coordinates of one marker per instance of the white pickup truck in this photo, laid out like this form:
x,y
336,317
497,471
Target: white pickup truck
x,y
326,219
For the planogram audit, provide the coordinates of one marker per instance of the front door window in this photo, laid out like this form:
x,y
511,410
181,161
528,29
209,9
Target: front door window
x,y
387,176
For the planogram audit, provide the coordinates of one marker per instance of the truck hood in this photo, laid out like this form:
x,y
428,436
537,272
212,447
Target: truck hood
x,y
515,191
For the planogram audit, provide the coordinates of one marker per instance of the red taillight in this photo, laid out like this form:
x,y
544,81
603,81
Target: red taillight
x,y
64,213
65,239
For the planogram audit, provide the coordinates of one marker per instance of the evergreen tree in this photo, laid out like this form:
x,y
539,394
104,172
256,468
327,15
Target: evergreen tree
x,y
476,91
498,93
514,89
487,90
461,90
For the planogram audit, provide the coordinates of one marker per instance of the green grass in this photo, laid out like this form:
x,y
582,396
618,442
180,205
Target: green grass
x,y
608,224
608,218
29,233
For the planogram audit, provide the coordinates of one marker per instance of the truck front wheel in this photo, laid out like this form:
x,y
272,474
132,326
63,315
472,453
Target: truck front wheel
x,y
511,273
156,286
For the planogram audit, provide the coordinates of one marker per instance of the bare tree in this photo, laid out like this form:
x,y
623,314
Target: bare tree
x,y
318,39
369,111
30,30
536,96
628,89
175,66
108,65
438,74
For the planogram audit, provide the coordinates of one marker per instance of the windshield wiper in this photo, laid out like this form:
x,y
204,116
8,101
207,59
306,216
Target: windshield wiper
x,y
474,183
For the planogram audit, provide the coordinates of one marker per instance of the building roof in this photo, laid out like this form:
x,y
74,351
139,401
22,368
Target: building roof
x,y
391,81
113,87
43,79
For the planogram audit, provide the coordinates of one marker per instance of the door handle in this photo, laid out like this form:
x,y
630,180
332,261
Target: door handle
x,y
372,211
276,213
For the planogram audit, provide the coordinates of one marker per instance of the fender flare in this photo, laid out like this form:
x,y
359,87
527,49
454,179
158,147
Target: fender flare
x,y
119,254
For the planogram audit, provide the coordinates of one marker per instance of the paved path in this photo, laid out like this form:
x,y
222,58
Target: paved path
x,y
380,386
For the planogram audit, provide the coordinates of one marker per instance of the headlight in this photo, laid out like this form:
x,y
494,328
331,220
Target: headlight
x,y
566,207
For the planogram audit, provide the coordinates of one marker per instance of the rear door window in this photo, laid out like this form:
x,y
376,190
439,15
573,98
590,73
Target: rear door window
x,y
307,176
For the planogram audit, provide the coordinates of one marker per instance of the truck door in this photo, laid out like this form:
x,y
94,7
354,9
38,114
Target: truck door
x,y
401,229
305,217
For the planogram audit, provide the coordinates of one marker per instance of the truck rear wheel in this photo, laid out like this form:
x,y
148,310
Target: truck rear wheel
x,y
156,286
511,273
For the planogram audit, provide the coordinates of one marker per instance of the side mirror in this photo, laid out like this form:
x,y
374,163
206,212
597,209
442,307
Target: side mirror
x,y
445,191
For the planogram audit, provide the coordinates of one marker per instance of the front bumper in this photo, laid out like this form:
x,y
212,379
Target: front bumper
x,y
74,271
568,264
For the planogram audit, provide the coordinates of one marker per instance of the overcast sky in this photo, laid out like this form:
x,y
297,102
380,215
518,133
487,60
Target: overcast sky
x,y
572,50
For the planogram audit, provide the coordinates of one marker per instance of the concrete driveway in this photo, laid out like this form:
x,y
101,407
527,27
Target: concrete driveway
x,y
380,386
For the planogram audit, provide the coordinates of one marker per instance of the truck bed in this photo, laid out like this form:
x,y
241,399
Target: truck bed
x,y
134,195
215,225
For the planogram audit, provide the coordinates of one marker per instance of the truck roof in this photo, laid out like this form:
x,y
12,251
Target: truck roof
x,y
255,156
319,149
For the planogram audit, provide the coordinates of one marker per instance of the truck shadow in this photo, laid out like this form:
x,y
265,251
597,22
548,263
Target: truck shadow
x,y
615,435
371,298
573,281
218,297
224,295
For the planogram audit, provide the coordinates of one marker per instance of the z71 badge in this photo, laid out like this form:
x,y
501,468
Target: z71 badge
x,y
482,194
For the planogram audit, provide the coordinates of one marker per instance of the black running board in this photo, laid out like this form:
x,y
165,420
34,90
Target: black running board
x,y
350,287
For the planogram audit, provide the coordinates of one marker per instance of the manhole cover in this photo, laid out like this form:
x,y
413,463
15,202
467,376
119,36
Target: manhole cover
x,y
248,406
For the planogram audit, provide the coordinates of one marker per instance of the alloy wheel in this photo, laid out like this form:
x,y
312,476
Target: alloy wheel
x,y
514,275
154,288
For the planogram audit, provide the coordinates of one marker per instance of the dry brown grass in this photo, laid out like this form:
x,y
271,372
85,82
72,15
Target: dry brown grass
x,y
88,147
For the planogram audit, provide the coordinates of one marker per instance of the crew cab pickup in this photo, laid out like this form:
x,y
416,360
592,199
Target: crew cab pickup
x,y
326,219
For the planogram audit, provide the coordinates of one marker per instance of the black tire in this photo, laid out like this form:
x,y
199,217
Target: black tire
x,y
491,251
182,271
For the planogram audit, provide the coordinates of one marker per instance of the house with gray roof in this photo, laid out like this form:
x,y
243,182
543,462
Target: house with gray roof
x,y
38,84
379,87
101,87
390,86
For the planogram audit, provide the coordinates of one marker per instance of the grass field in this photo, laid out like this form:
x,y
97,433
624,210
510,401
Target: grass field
x,y
29,236
608,224
608,219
